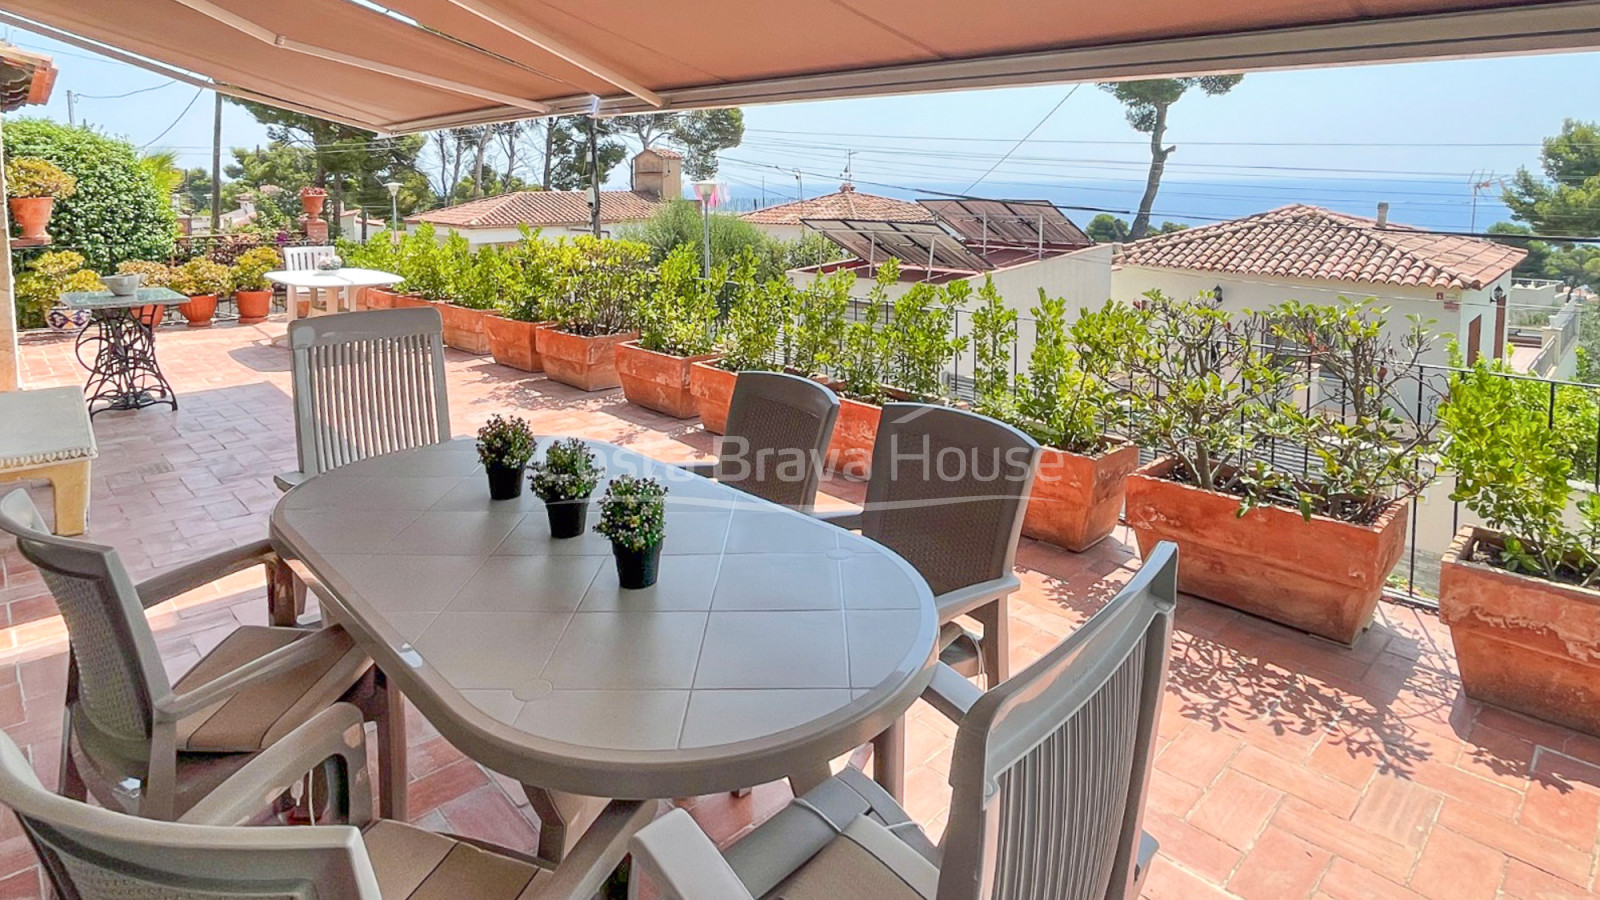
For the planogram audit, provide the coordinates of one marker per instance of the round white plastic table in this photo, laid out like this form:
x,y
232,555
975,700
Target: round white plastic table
x,y
772,643
340,280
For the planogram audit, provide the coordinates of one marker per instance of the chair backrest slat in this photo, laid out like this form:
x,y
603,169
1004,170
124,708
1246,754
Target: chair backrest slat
x,y
948,491
304,259
366,384
120,673
777,436
1051,767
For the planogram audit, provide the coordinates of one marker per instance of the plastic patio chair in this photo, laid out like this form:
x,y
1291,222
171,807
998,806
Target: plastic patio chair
x,y
1048,784
141,743
302,259
948,492
98,854
772,419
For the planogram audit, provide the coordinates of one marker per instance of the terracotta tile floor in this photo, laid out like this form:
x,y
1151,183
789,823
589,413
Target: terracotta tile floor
x,y
1288,768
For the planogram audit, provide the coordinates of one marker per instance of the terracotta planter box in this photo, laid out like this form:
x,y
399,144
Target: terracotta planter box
x,y
1322,576
854,433
409,301
1076,499
463,329
514,343
1524,643
377,298
586,363
658,381
199,309
712,388
254,306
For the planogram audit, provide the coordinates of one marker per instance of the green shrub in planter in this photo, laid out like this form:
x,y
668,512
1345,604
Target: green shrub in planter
x,y
677,317
602,287
539,278
198,277
820,321
756,335
920,337
994,336
155,274
249,272
40,286
29,177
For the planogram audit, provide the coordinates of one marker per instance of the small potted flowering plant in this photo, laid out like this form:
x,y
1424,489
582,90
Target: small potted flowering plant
x,y
504,448
633,514
564,479
201,280
252,293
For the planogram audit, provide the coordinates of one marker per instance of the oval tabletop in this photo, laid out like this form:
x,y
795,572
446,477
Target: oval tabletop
x,y
330,279
772,642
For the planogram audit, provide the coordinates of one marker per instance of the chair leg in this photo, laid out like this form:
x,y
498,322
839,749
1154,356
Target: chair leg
x,y
563,818
889,760
393,767
996,641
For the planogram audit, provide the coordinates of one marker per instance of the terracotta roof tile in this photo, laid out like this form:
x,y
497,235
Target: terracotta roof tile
x,y
536,208
844,204
1300,241
666,153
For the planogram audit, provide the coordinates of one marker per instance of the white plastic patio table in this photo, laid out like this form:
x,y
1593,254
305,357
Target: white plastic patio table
x,y
771,644
340,280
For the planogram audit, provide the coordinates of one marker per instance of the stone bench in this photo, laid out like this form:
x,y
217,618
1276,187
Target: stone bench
x,y
46,435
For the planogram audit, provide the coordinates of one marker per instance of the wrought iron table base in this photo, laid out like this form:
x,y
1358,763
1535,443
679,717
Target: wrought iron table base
x,y
123,372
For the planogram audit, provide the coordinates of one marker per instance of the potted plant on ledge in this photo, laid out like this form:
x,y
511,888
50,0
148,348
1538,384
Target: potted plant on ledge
x,y
676,322
504,448
1519,592
752,340
252,293
201,280
1078,488
564,480
34,185
633,515
1288,444
595,314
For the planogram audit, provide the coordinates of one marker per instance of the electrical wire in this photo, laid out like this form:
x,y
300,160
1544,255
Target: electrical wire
x,y
154,87
175,121
1018,145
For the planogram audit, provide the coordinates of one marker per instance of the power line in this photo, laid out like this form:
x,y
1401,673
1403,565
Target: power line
x,y
175,121
154,87
1018,145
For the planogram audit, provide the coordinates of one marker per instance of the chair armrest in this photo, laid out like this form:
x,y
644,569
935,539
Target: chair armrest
x,y
682,863
335,732
286,480
585,868
703,469
284,659
961,601
182,579
848,519
950,694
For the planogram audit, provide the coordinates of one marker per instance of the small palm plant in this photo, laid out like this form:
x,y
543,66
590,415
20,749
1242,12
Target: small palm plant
x,y
564,479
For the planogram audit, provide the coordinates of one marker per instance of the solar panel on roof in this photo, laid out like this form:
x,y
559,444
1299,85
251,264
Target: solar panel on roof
x,y
921,244
1023,223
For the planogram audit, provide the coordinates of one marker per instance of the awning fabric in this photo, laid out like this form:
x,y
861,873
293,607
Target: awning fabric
x,y
410,65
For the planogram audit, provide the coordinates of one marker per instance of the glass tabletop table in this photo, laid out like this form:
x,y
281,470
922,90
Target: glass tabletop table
x,y
118,347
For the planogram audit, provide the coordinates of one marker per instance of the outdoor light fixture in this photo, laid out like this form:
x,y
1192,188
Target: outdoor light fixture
x,y
1217,293
707,192
393,187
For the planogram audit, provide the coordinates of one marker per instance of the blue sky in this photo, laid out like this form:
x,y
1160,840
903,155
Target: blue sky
x,y
1413,134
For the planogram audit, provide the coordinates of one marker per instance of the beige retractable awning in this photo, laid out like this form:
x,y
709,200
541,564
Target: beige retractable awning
x,y
410,65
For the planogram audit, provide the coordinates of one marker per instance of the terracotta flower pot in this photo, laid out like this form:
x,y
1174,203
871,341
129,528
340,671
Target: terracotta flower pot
x,y
1076,499
586,363
199,309
311,201
854,433
463,329
1521,642
658,381
32,215
712,387
1322,576
514,343
150,315
254,306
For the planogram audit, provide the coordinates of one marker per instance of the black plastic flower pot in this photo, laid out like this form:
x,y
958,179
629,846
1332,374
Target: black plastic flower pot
x,y
567,517
637,568
505,482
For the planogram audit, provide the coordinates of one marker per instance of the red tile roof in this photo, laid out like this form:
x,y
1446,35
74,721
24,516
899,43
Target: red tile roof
x,y
1300,241
846,203
536,208
664,152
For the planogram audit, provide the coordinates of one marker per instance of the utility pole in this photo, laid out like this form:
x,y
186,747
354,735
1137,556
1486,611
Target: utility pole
x,y
800,185
594,176
72,108
216,168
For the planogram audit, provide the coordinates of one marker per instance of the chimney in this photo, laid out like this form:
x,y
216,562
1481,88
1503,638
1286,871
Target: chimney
x,y
847,188
1383,214
658,175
